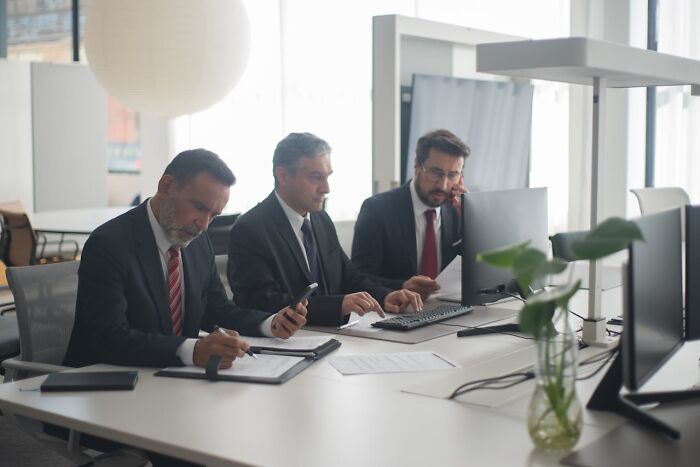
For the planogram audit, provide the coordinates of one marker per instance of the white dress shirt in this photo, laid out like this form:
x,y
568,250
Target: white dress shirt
x,y
186,349
419,208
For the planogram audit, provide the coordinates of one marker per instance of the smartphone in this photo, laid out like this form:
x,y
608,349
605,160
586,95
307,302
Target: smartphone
x,y
455,194
303,295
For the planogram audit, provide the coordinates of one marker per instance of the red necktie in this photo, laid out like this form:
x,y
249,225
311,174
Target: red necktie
x,y
429,259
174,293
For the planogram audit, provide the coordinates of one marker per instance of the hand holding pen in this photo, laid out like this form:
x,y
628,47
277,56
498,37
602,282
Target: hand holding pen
x,y
225,343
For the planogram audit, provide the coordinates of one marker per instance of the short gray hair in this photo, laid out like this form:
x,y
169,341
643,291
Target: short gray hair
x,y
293,147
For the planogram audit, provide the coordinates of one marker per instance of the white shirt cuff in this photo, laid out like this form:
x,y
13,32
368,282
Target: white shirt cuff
x,y
186,351
266,327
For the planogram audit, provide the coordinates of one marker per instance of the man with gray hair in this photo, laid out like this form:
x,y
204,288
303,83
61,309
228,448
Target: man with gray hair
x,y
287,242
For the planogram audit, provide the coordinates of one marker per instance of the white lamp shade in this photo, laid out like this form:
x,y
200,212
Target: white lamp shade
x,y
167,57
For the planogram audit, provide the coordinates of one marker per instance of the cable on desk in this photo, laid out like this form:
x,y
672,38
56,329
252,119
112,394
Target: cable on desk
x,y
604,357
486,330
484,383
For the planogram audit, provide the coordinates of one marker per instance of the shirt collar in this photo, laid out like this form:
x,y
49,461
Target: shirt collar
x,y
161,239
419,207
295,219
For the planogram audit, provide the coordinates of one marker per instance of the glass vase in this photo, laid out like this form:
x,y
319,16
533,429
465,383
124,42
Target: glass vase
x,y
554,418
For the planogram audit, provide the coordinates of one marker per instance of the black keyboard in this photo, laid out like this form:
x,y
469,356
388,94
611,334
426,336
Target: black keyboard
x,y
422,318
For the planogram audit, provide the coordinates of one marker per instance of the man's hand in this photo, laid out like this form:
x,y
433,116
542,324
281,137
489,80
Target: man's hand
x,y
287,321
228,345
398,301
423,285
360,303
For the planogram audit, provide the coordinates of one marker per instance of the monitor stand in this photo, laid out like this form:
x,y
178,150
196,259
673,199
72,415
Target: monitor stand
x,y
607,398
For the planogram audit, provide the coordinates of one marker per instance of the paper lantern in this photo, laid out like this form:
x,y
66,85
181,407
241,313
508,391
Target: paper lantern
x,y
167,57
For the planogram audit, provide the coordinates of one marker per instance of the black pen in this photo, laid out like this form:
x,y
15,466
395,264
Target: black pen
x,y
221,330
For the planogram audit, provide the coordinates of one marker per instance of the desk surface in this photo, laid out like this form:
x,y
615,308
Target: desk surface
x,y
319,418
75,221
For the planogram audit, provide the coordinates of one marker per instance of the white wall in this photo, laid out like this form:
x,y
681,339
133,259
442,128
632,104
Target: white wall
x,y
15,133
69,126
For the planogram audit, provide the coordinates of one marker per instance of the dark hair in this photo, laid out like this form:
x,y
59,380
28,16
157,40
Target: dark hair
x,y
189,163
442,140
291,149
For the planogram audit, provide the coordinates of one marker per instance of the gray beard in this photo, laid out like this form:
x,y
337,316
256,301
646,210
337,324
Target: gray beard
x,y
171,227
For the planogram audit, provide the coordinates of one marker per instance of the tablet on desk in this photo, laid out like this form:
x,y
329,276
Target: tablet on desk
x,y
90,381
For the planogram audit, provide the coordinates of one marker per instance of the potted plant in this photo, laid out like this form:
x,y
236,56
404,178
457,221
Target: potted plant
x,y
554,414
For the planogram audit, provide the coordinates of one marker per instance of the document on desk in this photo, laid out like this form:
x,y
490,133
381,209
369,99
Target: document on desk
x,y
450,280
266,368
391,363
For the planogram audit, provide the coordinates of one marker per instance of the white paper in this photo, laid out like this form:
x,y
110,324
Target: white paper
x,y
265,366
450,280
391,363
293,343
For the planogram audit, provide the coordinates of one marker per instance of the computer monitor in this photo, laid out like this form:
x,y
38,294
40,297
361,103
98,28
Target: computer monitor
x,y
692,272
495,219
653,311
653,316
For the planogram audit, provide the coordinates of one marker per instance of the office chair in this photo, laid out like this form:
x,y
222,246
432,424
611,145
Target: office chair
x,y
45,297
22,246
653,200
221,262
218,232
561,244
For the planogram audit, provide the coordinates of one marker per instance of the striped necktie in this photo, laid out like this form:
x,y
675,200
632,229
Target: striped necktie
x,y
174,291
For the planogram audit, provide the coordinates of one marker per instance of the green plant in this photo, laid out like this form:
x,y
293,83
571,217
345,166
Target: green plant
x,y
530,264
554,418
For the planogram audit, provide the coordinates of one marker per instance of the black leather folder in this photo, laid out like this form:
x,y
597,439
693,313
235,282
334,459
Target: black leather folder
x,y
90,381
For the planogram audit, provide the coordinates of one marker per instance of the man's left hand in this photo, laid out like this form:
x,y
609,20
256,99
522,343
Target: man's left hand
x,y
399,300
287,321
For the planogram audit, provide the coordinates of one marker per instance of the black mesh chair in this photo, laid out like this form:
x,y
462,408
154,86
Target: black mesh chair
x,y
218,232
561,244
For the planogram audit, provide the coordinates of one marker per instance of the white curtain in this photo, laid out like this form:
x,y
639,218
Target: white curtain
x,y
677,112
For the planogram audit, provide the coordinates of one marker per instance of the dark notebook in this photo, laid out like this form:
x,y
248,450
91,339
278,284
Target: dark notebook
x,y
90,381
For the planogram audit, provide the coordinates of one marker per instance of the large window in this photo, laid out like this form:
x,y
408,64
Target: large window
x,y
311,70
41,31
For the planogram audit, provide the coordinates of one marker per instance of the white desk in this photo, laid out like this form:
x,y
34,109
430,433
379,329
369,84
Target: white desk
x,y
74,221
319,418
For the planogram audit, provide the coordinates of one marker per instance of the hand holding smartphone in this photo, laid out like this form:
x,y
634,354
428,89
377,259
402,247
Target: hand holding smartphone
x,y
306,293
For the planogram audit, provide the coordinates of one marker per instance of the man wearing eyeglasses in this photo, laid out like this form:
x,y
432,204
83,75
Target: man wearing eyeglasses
x,y
287,242
406,236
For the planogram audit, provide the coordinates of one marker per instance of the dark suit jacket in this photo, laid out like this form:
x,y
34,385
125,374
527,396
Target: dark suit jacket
x,y
384,244
266,266
122,314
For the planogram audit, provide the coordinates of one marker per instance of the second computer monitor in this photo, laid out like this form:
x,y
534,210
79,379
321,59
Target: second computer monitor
x,y
653,311
692,272
495,219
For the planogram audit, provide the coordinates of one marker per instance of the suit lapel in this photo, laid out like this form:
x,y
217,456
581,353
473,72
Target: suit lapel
x,y
446,239
285,230
152,268
323,243
407,225
192,292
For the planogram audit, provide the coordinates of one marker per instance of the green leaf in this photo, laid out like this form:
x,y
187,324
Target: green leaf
x,y
534,316
531,264
612,235
502,257
559,296
537,313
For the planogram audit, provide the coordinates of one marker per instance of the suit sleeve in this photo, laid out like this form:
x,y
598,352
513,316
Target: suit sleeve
x,y
101,313
254,279
368,245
